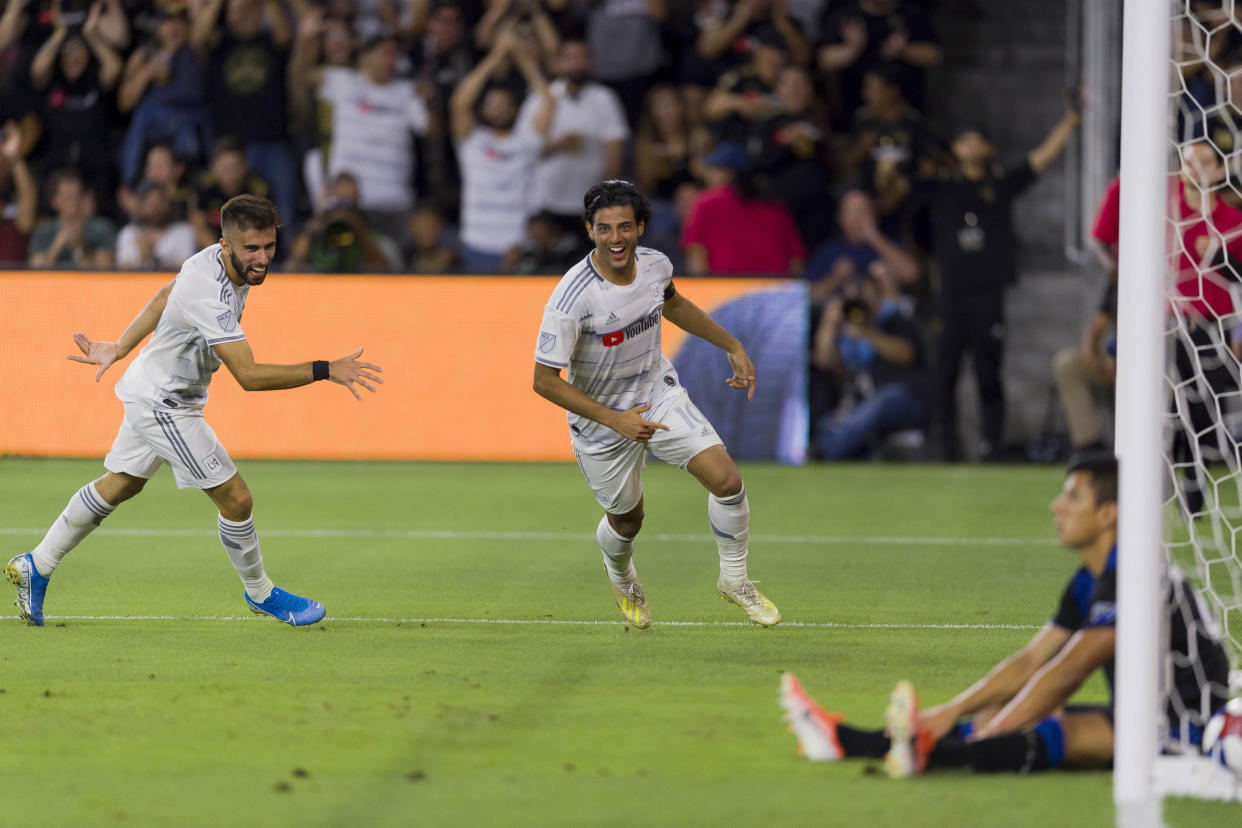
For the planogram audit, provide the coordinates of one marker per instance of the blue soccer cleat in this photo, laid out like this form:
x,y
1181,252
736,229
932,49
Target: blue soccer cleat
x,y
294,610
31,587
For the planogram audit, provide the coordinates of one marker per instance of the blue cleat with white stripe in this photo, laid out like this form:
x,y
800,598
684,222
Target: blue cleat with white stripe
x,y
294,610
31,587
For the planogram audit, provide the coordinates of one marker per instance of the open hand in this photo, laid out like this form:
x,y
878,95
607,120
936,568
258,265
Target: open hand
x,y
348,370
102,354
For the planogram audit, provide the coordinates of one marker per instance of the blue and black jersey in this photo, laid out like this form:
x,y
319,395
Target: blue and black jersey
x,y
1198,672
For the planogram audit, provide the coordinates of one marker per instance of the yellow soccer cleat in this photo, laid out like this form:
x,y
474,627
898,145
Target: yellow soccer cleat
x,y
743,593
633,604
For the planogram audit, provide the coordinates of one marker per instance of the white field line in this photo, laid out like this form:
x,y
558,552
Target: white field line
x,y
552,622
576,537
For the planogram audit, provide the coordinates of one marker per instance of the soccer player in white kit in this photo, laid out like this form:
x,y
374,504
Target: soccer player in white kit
x,y
197,323
602,325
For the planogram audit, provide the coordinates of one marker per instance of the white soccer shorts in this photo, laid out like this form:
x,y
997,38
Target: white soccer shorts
x,y
148,438
616,478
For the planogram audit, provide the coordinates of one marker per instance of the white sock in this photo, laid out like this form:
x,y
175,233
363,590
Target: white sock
x,y
84,511
730,522
242,544
618,553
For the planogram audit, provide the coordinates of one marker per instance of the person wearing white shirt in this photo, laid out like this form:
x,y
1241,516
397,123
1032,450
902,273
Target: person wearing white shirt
x,y
153,240
586,138
195,326
496,157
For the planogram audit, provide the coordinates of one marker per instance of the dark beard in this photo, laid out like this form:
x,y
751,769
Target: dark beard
x,y
238,268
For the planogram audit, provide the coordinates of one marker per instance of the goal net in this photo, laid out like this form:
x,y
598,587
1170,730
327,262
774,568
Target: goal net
x,y
1184,238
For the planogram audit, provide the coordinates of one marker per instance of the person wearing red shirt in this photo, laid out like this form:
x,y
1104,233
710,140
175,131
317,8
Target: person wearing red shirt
x,y
729,229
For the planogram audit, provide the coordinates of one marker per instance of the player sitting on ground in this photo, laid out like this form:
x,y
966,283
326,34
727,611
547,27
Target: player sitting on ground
x,y
1015,718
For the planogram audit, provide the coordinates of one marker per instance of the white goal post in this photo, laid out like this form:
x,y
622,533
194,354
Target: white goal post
x,y
1149,252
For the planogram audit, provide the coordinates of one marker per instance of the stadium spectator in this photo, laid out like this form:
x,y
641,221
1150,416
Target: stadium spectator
x,y
731,229
861,248
875,354
338,240
247,67
531,22
890,146
1207,273
496,157
226,178
974,246
441,57
625,40
546,248
20,198
666,143
861,34
791,154
585,141
164,85
1016,718
72,77
34,21
75,237
160,167
1085,371
374,117
746,95
730,31
153,239
325,41
430,248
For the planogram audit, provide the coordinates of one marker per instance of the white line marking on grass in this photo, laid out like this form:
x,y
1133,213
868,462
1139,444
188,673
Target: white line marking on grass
x,y
554,622
449,534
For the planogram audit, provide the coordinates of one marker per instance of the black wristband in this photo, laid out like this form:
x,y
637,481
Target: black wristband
x,y
319,370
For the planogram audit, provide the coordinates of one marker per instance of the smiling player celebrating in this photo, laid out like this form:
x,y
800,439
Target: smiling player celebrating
x,y
602,324
197,323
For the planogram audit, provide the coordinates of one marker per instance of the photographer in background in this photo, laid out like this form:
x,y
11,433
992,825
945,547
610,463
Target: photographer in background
x,y
338,240
876,355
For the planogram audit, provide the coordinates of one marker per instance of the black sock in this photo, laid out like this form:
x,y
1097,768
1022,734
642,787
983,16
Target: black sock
x,y
869,743
1012,753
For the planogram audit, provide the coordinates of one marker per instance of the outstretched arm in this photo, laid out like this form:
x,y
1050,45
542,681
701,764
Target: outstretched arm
x,y
630,424
461,104
104,354
259,376
1054,144
1050,687
691,318
1001,683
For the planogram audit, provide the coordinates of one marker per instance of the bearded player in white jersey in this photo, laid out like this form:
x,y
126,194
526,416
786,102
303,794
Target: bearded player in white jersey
x,y
196,320
602,325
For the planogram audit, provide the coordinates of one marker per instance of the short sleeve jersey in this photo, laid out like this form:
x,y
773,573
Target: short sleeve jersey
x,y
1200,667
607,336
204,309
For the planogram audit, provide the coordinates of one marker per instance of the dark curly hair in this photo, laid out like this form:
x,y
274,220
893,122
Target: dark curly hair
x,y
615,193
248,212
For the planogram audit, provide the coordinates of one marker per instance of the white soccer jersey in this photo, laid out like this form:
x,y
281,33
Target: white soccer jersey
x,y
608,337
204,309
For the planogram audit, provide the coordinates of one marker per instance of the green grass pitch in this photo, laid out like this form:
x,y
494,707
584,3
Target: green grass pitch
x,y
473,669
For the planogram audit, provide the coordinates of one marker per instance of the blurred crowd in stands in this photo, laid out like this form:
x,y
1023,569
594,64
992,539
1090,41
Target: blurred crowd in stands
x,y
781,137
